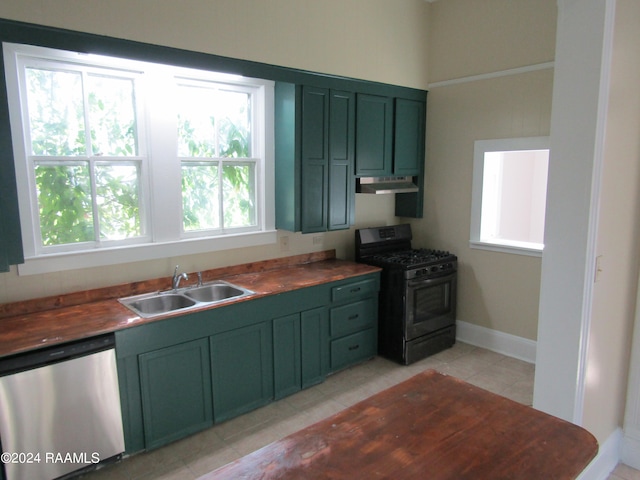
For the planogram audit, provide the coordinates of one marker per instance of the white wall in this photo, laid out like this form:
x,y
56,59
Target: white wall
x,y
497,291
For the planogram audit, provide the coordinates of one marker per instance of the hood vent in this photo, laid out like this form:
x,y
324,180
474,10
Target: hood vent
x,y
379,185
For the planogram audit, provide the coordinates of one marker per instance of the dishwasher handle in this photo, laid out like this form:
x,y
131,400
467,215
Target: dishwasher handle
x,y
54,354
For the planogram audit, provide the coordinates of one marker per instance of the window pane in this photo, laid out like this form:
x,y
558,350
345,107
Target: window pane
x,y
112,116
117,198
64,201
239,195
56,115
234,133
200,196
196,123
514,196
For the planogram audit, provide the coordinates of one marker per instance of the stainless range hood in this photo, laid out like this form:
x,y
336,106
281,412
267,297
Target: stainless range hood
x,y
379,185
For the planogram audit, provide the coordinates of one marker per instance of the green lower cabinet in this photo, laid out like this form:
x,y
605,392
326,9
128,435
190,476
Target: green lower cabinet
x,y
353,322
315,346
176,392
353,348
287,375
300,351
242,367
183,374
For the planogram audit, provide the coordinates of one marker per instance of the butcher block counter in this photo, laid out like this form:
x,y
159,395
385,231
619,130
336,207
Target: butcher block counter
x,y
32,324
431,426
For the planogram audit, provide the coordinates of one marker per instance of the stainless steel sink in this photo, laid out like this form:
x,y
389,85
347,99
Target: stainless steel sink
x,y
214,292
158,303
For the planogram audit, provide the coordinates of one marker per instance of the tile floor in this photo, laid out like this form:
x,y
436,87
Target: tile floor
x,y
623,472
199,454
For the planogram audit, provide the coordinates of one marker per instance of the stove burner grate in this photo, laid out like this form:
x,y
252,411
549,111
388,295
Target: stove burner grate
x,y
413,257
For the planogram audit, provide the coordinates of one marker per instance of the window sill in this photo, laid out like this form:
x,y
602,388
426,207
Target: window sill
x,y
517,248
136,253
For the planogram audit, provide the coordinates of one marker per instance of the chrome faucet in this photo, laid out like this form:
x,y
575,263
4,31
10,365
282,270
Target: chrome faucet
x,y
175,281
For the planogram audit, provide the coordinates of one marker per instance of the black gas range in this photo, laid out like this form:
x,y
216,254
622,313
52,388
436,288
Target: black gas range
x,y
417,303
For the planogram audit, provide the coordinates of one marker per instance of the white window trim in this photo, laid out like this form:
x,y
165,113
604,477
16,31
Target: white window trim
x,y
165,244
499,145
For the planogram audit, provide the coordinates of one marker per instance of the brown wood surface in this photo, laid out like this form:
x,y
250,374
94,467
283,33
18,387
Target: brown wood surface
x,y
55,320
431,426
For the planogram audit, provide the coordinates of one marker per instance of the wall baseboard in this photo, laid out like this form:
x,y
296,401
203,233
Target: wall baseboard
x,y
505,343
606,460
631,450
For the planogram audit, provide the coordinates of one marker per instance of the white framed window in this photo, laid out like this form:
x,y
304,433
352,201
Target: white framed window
x,y
120,160
509,195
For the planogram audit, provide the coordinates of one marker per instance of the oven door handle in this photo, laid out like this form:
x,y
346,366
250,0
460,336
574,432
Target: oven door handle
x,y
420,282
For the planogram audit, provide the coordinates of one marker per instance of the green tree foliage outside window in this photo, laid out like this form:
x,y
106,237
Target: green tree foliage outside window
x,y
215,146
90,199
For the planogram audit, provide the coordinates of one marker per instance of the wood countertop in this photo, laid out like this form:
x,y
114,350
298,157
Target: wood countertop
x,y
430,426
53,320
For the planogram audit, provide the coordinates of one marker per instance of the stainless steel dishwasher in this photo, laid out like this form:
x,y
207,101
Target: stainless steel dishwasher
x,y
60,409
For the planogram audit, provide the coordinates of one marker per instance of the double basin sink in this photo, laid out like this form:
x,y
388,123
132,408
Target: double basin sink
x,y
158,303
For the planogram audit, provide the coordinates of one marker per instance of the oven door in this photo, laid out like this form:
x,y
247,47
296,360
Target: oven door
x,y
430,305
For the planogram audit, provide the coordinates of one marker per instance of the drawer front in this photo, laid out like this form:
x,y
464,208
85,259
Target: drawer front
x,y
353,317
354,290
353,348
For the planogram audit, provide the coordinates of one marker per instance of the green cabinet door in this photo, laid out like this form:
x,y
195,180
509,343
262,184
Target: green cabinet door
x,y
300,351
409,135
315,346
374,135
176,392
242,366
315,159
341,160
409,154
286,355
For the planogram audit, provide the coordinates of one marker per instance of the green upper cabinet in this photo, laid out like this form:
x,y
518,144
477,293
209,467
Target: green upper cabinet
x,y
341,160
315,134
390,142
374,141
315,159
390,136
409,137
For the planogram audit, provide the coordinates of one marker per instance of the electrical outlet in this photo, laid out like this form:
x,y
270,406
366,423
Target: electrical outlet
x,y
317,240
284,243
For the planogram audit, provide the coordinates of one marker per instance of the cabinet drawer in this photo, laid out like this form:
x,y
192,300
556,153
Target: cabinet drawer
x,y
354,290
353,348
352,317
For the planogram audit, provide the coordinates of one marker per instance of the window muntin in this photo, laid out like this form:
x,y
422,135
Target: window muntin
x,y
121,190
509,195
